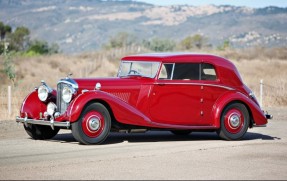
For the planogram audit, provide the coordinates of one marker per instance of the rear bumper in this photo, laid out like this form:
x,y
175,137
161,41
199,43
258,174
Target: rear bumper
x,y
51,123
269,116
264,125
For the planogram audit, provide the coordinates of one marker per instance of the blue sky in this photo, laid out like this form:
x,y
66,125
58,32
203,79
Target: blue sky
x,y
248,3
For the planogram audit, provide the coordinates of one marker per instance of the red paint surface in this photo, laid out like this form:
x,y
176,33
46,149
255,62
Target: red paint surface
x,y
134,100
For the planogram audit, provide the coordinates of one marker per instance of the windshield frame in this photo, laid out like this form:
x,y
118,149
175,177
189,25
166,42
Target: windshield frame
x,y
139,75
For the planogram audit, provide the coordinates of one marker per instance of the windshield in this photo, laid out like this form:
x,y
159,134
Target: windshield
x,y
136,68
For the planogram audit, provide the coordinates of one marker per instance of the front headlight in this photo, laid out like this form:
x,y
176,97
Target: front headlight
x,y
43,92
67,94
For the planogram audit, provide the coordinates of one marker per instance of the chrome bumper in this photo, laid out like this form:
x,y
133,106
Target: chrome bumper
x,y
51,123
269,116
264,125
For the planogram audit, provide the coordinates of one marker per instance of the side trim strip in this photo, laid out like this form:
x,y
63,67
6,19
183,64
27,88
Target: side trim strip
x,y
199,84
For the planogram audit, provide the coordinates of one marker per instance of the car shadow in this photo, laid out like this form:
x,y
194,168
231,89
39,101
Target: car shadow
x,y
162,136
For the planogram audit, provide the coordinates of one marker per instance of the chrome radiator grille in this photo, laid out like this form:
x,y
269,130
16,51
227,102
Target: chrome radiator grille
x,y
61,105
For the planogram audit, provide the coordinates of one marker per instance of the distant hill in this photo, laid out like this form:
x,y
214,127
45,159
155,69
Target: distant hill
x,y
84,25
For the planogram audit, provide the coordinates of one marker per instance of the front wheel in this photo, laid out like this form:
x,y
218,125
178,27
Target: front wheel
x,y
93,126
234,122
39,132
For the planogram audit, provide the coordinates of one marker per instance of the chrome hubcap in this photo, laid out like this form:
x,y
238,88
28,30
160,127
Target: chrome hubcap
x,y
94,124
234,120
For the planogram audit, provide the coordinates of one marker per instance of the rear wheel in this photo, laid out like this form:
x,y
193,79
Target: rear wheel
x,y
39,132
234,122
93,126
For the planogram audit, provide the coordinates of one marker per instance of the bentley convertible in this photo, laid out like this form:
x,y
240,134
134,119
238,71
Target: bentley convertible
x,y
179,92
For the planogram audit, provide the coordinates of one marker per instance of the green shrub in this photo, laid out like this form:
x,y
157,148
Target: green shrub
x,y
160,45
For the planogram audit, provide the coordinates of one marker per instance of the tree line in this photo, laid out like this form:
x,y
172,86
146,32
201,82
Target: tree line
x,y
19,41
196,41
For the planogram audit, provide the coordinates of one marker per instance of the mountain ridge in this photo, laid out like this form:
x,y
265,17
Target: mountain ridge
x,y
85,25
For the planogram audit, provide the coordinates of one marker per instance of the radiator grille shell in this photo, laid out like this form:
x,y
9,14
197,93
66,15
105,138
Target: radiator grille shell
x,y
61,104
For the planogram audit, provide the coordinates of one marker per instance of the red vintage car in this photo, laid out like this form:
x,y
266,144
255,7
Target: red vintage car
x,y
180,92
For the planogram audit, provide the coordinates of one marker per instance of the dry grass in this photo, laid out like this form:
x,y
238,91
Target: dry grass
x,y
17,97
258,63
273,73
253,65
30,72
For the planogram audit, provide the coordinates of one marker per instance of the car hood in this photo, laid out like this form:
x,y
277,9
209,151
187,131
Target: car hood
x,y
110,83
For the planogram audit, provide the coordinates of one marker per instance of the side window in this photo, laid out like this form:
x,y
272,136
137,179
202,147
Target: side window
x,y
208,72
186,71
166,71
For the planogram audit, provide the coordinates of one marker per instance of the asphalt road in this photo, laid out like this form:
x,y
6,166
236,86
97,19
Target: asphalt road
x,y
262,154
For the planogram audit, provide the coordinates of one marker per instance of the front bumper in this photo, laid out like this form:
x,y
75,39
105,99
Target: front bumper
x,y
51,123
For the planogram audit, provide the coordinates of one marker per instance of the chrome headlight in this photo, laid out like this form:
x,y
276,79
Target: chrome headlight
x,y
51,108
43,92
67,93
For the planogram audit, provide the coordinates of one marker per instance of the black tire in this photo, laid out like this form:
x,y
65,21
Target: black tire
x,y
39,132
181,132
234,122
95,114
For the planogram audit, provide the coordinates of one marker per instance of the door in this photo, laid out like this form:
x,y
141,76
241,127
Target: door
x,y
175,98
176,103
211,91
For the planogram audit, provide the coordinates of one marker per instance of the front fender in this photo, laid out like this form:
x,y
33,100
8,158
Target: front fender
x,y
123,112
257,114
33,107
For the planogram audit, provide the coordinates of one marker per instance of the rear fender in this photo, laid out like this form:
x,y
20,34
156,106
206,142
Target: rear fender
x,y
122,111
256,114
